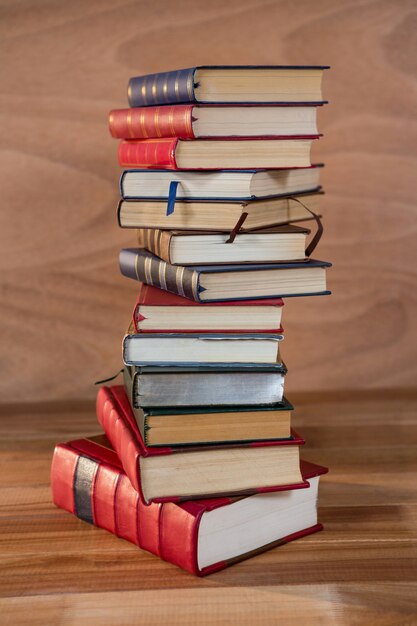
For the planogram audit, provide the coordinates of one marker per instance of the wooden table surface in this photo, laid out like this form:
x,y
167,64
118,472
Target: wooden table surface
x,y
55,569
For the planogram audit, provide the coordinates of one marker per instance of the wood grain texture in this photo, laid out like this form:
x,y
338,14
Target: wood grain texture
x,y
64,65
361,570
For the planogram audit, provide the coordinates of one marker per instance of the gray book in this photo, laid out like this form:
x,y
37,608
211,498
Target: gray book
x,y
205,386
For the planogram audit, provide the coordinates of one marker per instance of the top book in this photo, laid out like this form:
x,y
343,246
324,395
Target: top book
x,y
222,84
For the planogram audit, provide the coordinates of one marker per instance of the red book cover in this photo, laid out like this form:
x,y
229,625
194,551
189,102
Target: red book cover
x,y
119,424
154,297
88,480
150,153
147,122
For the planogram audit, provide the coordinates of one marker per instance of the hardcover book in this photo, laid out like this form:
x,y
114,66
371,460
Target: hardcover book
x,y
159,311
216,215
232,153
172,474
221,283
229,83
201,536
188,121
209,349
194,425
234,185
192,247
206,386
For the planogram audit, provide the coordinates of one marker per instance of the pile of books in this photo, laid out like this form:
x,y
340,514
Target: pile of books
x,y
199,463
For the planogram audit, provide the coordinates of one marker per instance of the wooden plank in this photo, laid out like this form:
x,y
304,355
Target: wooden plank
x,y
360,570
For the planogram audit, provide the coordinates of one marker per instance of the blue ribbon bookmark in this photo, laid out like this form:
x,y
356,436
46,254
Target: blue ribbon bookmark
x,y
172,195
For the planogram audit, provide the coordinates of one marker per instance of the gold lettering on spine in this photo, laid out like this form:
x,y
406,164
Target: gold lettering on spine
x,y
165,88
194,285
148,274
162,275
154,90
143,125
190,82
158,239
171,120
188,122
156,122
155,242
136,267
179,274
143,91
176,86
129,124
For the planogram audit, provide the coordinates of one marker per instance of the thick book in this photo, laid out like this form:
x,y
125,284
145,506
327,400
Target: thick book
x,y
193,247
175,473
233,185
221,283
195,425
213,154
220,215
207,386
229,83
159,311
209,349
201,536
189,121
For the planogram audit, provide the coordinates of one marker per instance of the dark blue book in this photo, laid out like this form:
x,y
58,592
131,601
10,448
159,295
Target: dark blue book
x,y
225,84
222,283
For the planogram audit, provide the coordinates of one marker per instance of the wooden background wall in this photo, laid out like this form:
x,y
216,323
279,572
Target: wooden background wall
x,y
65,64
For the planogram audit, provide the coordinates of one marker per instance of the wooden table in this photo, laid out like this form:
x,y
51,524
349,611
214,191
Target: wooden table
x,y
362,569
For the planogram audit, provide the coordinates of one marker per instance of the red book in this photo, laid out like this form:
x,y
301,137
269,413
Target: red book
x,y
191,121
153,313
222,153
177,473
88,481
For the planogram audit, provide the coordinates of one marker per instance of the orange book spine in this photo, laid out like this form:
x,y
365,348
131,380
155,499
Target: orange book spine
x,y
148,153
152,122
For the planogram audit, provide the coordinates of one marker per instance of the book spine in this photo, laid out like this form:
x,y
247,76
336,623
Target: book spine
x,y
147,269
120,436
148,153
152,122
156,241
102,495
162,88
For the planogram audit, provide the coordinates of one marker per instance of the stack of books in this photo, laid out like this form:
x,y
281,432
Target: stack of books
x,y
199,463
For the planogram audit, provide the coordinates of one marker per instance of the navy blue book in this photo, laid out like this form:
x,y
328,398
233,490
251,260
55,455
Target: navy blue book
x,y
221,283
225,84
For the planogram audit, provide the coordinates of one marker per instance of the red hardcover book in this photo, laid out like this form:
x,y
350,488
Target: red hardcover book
x,y
88,480
221,153
191,121
147,122
177,473
153,314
